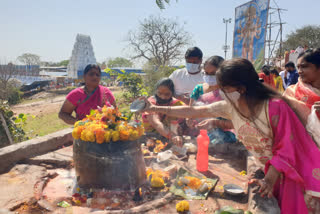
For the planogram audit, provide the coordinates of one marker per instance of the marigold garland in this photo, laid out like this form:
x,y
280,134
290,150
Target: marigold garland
x,y
106,125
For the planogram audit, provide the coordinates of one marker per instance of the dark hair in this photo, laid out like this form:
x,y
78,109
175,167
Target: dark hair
x,y
215,61
166,82
240,73
312,56
290,64
274,71
266,69
91,66
194,52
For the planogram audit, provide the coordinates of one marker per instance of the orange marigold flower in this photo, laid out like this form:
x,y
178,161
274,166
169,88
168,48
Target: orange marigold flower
x,y
194,183
100,135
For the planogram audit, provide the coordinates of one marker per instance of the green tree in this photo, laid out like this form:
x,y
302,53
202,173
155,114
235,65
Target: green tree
x,y
307,36
119,62
8,85
29,59
14,125
64,63
154,74
133,84
158,39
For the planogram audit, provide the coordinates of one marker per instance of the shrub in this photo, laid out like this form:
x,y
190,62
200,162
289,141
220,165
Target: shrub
x,y
14,96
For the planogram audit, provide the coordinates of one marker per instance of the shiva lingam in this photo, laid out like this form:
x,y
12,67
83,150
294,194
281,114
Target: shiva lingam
x,y
107,151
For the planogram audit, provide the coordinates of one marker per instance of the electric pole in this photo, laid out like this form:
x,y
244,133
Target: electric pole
x,y
226,46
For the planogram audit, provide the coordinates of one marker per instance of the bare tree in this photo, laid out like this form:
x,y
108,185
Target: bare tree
x,y
29,59
6,74
159,39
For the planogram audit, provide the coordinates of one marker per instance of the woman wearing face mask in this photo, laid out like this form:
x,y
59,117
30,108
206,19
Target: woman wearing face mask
x,y
161,122
306,93
83,99
207,93
270,130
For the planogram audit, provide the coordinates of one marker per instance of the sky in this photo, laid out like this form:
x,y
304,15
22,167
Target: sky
x,y
49,28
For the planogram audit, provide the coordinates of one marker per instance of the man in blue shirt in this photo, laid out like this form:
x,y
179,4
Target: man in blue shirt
x,y
293,74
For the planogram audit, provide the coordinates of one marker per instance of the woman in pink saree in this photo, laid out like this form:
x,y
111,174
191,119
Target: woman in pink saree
x,y
306,93
91,96
271,132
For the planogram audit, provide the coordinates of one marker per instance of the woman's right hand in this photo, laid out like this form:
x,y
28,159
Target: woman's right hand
x,y
148,105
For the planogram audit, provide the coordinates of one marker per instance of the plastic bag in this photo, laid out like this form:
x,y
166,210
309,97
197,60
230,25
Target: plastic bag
x,y
313,126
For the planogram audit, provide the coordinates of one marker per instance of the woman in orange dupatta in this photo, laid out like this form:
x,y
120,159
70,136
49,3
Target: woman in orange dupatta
x,y
306,93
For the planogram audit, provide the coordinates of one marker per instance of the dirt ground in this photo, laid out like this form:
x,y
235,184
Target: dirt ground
x,y
36,185
48,105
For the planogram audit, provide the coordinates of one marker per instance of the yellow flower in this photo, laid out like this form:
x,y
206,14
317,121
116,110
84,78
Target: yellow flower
x,y
90,136
243,173
157,182
107,136
115,136
96,127
182,206
134,135
76,133
84,135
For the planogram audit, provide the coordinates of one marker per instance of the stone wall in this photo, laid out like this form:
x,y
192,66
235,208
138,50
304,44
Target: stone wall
x,y
12,154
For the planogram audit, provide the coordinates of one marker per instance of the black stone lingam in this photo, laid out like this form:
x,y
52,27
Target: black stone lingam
x,y
119,165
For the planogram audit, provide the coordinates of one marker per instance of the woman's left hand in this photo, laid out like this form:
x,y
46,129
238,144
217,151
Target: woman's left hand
x,y
266,187
266,184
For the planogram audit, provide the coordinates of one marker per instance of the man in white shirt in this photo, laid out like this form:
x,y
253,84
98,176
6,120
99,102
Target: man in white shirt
x,y
187,78
282,73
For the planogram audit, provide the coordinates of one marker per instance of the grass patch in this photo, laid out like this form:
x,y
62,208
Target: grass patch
x,y
43,125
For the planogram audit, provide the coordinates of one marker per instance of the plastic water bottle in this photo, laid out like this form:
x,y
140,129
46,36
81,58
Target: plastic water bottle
x,y
202,155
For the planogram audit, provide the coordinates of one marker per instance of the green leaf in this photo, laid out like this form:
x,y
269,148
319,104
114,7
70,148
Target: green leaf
x,y
18,120
92,112
10,113
24,118
21,115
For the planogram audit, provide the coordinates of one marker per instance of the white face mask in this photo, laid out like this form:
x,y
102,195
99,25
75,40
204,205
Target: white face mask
x,y
232,96
192,68
210,79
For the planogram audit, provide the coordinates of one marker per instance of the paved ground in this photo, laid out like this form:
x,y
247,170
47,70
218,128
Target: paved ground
x,y
50,178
